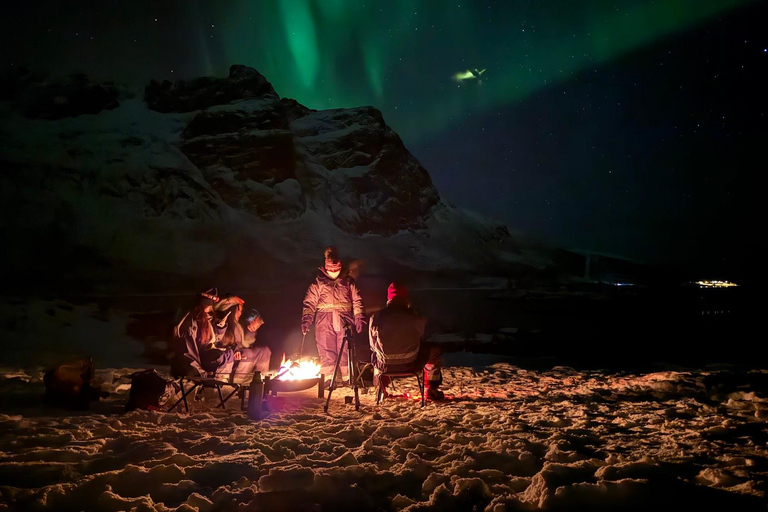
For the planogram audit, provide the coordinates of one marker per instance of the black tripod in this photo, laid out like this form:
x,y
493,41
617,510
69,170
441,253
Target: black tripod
x,y
349,341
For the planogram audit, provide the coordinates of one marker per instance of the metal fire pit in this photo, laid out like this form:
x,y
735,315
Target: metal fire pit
x,y
275,386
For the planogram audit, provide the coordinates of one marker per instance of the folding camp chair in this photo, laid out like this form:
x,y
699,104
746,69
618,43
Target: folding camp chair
x,y
402,373
208,382
187,363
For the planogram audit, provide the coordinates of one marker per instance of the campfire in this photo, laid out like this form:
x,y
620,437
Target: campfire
x,y
306,368
295,376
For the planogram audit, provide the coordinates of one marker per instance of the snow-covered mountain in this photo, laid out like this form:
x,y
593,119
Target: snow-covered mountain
x,y
217,180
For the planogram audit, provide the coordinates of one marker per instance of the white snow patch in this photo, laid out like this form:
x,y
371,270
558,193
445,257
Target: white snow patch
x,y
508,438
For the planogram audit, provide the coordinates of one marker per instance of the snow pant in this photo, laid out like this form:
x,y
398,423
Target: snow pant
x,y
253,359
329,334
228,369
429,358
213,359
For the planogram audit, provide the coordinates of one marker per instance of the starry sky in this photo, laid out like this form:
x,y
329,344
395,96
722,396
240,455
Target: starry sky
x,y
625,127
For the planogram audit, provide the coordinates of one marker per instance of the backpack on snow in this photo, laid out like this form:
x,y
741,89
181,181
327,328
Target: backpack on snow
x,y
68,385
149,391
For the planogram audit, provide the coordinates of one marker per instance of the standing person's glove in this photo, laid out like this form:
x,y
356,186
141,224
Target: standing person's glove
x,y
306,322
359,323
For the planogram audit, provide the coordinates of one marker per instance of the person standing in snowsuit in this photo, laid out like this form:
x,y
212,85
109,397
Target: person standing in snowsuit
x,y
395,334
331,301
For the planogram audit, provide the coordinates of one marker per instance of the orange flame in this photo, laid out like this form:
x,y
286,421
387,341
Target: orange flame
x,y
306,368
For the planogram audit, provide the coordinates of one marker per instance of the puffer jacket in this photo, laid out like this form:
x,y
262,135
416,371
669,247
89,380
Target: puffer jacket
x,y
337,298
395,335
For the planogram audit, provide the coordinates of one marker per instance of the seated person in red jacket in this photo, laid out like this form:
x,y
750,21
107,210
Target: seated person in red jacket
x,y
395,334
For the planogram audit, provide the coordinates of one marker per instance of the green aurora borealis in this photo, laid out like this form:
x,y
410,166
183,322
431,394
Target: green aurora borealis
x,y
622,126
400,55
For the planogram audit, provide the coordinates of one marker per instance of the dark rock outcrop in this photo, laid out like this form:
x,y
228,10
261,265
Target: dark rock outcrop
x,y
39,99
276,158
243,83
15,80
375,184
278,116
247,156
170,193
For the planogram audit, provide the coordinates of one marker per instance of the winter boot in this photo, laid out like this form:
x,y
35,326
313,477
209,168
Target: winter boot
x,y
432,383
384,382
435,394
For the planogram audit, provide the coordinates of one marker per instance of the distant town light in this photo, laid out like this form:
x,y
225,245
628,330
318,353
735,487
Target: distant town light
x,y
715,284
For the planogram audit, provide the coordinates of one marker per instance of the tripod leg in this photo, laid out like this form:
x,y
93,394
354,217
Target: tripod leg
x,y
352,359
336,370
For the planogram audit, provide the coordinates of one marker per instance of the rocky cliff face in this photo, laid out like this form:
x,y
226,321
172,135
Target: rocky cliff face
x,y
357,166
249,157
37,99
203,176
243,83
274,158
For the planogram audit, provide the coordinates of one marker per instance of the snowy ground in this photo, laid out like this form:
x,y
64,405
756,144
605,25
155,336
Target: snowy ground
x,y
509,439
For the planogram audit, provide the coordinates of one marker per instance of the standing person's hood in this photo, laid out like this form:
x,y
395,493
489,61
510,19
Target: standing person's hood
x,y
344,273
332,263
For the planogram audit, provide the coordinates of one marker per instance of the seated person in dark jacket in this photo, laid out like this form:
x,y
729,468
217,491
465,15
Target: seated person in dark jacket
x,y
395,334
232,334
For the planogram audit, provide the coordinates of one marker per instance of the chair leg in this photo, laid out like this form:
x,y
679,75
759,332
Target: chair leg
x,y
221,397
423,386
184,394
235,390
183,398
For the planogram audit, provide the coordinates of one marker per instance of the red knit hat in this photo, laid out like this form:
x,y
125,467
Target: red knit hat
x,y
332,261
397,291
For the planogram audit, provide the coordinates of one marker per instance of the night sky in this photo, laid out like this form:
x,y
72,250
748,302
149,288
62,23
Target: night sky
x,y
634,128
